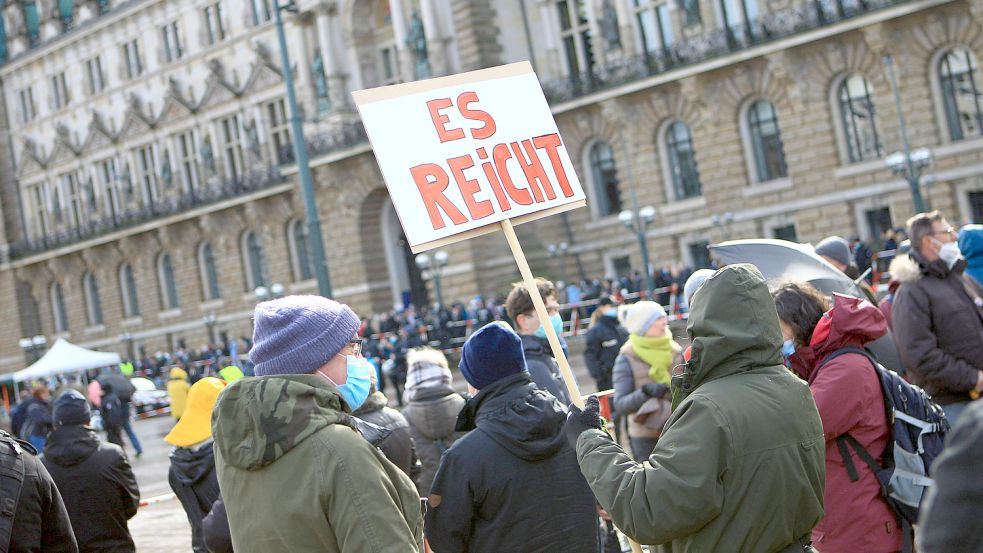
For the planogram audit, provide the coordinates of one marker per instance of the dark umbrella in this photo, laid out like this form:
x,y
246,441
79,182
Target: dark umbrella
x,y
119,383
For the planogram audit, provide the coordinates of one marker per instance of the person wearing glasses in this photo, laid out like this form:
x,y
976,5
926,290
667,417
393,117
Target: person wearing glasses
x,y
540,359
294,471
938,316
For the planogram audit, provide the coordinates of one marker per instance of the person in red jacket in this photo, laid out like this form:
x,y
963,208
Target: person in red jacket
x,y
848,394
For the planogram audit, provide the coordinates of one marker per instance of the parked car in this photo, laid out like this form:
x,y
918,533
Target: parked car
x,y
147,399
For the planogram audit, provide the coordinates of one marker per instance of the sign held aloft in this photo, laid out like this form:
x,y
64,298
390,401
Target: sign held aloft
x,y
462,153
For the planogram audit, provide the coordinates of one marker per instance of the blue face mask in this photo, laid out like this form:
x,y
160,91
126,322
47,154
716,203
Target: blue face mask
x,y
613,313
788,348
358,381
557,323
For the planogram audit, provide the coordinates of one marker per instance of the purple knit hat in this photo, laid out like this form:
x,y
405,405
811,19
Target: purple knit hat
x,y
299,334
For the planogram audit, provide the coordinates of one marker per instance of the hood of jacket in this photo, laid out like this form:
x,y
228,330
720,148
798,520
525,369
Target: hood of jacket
x,y
435,417
177,373
912,267
70,445
374,402
971,244
534,345
518,416
258,420
193,465
733,327
851,322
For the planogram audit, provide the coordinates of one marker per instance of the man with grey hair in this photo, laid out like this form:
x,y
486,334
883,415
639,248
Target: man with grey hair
x,y
938,316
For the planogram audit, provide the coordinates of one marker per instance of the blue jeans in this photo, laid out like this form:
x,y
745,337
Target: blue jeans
x,y
953,411
127,427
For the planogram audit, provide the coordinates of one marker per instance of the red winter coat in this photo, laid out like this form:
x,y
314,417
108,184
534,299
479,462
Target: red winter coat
x,y
848,394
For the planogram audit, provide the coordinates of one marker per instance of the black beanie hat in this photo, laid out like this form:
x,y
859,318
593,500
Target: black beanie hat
x,y
71,409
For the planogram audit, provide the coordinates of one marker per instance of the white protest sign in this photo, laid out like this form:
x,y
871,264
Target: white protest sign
x,y
462,153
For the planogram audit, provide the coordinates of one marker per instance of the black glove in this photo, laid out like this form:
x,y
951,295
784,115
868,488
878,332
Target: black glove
x,y
578,421
654,389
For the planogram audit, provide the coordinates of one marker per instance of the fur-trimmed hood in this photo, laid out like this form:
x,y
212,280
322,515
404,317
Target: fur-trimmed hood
x,y
904,269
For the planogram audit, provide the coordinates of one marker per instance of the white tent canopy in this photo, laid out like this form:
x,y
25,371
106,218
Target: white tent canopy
x,y
65,357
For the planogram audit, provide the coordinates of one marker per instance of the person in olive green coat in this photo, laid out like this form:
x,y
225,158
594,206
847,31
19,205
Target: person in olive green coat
x,y
295,474
740,466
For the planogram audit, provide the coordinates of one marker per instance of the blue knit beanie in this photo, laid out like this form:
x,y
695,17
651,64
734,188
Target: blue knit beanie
x,y
491,354
299,334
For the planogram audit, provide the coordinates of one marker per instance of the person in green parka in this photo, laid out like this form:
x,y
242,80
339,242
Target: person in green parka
x,y
740,466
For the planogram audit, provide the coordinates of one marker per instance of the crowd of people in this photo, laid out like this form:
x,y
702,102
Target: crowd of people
x,y
767,428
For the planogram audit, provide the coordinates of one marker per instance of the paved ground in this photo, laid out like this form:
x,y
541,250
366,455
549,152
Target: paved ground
x,y
162,526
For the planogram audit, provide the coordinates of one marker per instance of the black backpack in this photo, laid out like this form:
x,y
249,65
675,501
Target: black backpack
x,y
12,471
918,428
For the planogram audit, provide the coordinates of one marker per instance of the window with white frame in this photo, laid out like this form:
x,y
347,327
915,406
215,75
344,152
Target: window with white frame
x,y
167,282
767,150
128,291
26,100
187,159
738,17
960,93
604,177
76,198
59,90
857,117
214,22
389,63
681,160
252,256
112,185
276,112
232,146
40,208
262,11
171,39
147,173
58,313
575,36
209,272
93,303
785,232
94,75
300,250
131,56
654,26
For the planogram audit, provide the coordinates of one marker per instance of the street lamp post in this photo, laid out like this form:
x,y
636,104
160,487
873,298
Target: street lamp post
x,y
907,164
32,347
314,238
435,265
560,250
637,222
210,320
264,293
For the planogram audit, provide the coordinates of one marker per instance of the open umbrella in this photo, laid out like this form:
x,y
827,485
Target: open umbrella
x,y
781,260
119,383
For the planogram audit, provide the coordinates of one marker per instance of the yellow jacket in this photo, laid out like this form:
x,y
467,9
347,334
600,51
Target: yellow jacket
x,y
177,388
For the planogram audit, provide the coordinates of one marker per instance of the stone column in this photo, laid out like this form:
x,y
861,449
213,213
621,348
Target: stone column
x,y
406,63
436,49
337,91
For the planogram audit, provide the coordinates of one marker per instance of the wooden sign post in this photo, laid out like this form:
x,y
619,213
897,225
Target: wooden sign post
x,y
470,154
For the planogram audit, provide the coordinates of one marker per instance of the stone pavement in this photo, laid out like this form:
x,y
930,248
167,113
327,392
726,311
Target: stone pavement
x,y
162,526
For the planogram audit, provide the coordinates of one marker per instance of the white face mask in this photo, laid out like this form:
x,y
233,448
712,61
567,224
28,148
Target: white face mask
x,y
949,252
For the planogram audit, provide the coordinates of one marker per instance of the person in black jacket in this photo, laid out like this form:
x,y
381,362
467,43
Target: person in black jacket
x,y
512,483
604,338
192,475
398,445
37,418
539,355
95,479
215,529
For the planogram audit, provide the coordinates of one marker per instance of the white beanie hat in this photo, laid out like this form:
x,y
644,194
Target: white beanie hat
x,y
694,282
642,315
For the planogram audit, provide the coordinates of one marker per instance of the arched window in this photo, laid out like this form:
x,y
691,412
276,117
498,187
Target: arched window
x,y
93,304
128,289
209,274
300,250
58,308
681,161
252,255
766,142
168,285
857,115
604,174
960,93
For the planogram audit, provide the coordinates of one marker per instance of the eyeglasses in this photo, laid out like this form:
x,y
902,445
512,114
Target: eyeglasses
x,y
949,231
356,344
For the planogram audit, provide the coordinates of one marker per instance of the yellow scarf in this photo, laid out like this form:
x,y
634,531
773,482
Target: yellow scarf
x,y
657,352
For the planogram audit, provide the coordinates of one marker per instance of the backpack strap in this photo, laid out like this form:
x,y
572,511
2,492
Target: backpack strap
x,y
846,440
11,481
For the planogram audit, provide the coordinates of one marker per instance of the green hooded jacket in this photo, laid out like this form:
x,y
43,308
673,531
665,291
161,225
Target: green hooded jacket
x,y
740,466
296,475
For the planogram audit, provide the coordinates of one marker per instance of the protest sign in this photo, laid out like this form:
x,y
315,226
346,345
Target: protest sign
x,y
460,154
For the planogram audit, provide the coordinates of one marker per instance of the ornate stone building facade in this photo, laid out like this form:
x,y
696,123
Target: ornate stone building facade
x,y
149,188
